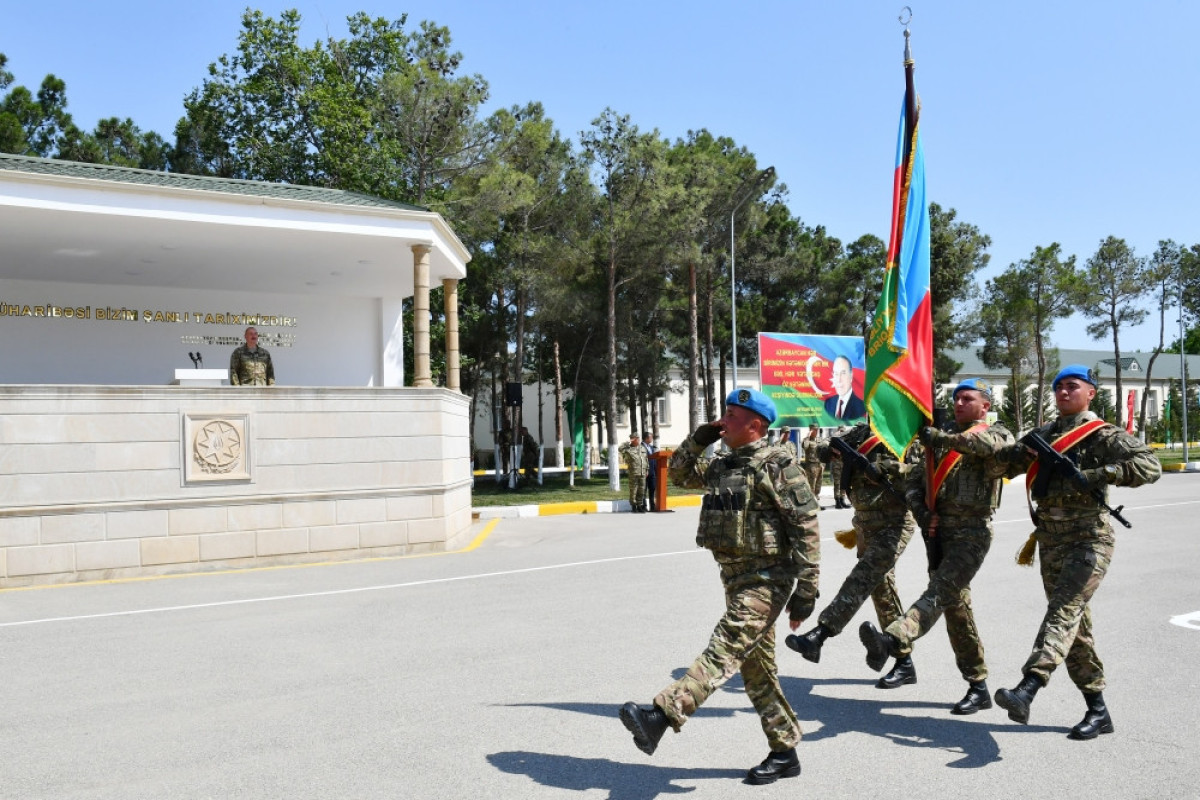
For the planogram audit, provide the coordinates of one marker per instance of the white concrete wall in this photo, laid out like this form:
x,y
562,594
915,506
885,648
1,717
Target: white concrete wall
x,y
93,480
337,341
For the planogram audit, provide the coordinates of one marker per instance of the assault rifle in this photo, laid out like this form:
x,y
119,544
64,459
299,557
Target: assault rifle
x,y
854,461
1052,461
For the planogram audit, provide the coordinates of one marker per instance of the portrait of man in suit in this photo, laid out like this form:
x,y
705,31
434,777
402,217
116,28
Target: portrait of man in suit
x,y
844,403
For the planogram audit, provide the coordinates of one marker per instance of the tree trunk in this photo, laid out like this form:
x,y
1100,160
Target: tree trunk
x,y
558,408
693,353
614,474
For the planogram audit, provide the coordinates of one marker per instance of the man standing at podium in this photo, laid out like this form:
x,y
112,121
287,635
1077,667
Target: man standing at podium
x,y
250,364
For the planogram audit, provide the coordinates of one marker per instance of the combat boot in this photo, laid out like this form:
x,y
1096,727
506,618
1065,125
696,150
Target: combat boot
x,y
1096,721
903,673
880,645
1017,701
784,764
809,644
646,724
976,699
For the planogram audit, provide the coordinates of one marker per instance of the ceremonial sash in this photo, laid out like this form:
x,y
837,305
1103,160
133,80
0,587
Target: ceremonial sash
x,y
869,444
1060,445
947,464
1064,443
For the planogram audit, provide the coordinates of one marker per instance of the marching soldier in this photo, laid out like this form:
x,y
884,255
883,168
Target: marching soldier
x,y
835,476
1076,541
637,464
952,498
759,519
882,528
812,460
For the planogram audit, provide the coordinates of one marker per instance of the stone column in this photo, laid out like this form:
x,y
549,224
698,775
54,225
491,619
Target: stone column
x,y
450,293
421,372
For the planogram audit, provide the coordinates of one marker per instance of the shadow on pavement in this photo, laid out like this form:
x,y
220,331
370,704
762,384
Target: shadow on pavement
x,y
622,781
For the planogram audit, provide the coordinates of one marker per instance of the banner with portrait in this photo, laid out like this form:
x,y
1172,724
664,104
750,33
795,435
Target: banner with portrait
x,y
813,379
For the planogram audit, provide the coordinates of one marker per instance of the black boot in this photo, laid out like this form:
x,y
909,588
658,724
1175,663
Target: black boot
x,y
903,673
1096,721
1017,701
976,699
646,724
879,644
775,766
809,644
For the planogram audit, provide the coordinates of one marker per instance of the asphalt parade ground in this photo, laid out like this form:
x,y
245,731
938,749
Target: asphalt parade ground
x,y
497,672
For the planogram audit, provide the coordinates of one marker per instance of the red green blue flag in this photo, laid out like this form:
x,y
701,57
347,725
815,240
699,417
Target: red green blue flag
x,y
899,382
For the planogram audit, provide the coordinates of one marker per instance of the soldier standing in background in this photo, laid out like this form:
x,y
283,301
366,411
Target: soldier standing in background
x,y
785,441
812,461
651,476
250,365
759,519
883,528
835,474
1076,542
530,450
637,464
966,474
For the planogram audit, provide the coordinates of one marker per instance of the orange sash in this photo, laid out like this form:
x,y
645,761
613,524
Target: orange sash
x,y
1064,443
947,464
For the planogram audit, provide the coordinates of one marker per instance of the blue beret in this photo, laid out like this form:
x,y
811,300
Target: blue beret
x,y
754,400
1074,371
978,384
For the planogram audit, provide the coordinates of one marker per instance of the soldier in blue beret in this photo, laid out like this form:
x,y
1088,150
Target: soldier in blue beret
x,y
759,519
1076,542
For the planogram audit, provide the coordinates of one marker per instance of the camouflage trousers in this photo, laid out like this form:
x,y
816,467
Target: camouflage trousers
x,y
813,471
1071,573
873,575
637,488
835,477
964,546
744,640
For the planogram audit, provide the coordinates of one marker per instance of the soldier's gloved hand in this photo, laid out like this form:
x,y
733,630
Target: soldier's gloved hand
x,y
800,608
923,516
928,435
933,551
1099,476
706,434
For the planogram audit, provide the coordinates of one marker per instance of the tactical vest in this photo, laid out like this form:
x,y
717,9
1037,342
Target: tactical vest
x,y
734,518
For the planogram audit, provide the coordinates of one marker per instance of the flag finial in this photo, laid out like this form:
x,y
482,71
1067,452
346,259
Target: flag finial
x,y
905,17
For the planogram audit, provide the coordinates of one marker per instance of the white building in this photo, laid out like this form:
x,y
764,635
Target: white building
x,y
111,464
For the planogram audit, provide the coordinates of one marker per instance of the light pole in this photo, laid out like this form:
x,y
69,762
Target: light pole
x,y
752,191
1183,404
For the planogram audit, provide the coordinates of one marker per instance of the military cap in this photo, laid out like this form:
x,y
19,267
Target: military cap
x,y
1074,371
978,384
753,400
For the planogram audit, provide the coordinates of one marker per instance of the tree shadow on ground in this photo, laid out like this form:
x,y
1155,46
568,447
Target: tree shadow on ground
x,y
621,780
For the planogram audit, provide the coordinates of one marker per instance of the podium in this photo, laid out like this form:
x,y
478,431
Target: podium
x,y
658,463
201,377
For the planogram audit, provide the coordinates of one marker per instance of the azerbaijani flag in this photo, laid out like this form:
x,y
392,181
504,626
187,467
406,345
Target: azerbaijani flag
x,y
900,343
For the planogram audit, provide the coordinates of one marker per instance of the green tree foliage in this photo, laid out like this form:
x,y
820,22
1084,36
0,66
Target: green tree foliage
x,y
1009,336
1118,280
957,251
1056,290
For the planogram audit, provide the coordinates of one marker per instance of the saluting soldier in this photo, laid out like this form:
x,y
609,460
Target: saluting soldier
x,y
759,519
637,465
882,529
1076,542
785,441
250,365
811,461
963,475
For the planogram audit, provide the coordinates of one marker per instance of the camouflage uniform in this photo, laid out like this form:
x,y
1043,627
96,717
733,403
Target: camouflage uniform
x,y
759,519
884,527
964,506
529,456
638,464
1076,543
251,367
835,478
812,464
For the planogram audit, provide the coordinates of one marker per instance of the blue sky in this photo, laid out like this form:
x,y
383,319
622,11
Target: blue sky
x,y
1042,121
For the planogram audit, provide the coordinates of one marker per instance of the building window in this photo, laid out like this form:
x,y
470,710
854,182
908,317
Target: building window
x,y
664,410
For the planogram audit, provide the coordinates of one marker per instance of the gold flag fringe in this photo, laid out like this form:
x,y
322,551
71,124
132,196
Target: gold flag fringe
x,y
847,539
1027,551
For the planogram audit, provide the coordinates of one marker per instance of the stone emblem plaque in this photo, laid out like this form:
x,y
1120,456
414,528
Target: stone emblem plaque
x,y
215,447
